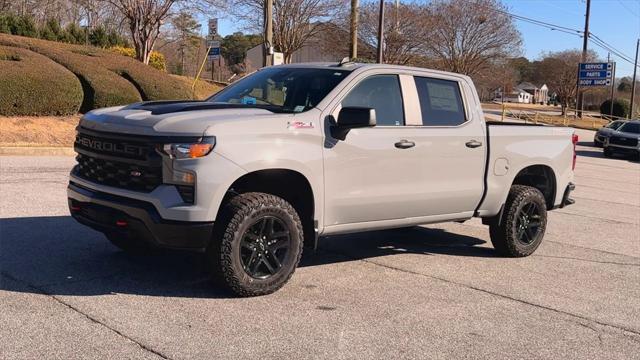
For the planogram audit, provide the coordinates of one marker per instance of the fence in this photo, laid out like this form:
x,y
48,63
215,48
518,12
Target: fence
x,y
589,120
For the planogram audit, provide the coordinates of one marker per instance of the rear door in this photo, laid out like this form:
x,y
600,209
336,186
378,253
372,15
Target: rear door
x,y
450,150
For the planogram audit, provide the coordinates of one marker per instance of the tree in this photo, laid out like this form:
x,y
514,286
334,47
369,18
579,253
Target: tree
x,y
465,37
144,18
187,29
559,70
235,46
295,22
405,31
353,29
625,84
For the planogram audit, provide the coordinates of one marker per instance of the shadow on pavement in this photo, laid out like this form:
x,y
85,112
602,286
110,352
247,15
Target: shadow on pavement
x,y
60,257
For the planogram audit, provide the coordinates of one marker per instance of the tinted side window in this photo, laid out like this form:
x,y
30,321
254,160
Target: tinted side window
x,y
382,93
440,102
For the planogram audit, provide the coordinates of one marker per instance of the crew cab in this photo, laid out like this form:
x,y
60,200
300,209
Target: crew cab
x,y
292,153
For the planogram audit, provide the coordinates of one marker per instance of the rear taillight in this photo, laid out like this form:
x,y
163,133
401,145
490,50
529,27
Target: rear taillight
x,y
574,140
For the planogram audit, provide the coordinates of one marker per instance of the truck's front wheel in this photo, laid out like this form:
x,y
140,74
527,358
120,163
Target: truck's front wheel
x,y
523,224
257,244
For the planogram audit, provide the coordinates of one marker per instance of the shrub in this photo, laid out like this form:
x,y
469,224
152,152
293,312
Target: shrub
x,y
32,84
51,31
202,90
156,60
107,78
101,86
620,108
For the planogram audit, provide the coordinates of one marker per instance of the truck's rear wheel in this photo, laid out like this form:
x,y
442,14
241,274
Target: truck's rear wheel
x,y
257,244
523,224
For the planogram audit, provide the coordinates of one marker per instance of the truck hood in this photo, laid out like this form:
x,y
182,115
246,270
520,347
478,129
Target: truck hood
x,y
188,118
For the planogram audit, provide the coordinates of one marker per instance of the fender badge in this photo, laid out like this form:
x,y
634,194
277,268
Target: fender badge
x,y
299,125
135,173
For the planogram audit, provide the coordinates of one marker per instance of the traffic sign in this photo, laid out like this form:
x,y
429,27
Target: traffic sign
x,y
595,74
214,49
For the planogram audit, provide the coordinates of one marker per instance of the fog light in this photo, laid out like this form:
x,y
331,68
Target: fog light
x,y
182,177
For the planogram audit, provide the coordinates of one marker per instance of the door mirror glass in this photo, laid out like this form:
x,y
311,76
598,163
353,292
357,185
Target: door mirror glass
x,y
353,118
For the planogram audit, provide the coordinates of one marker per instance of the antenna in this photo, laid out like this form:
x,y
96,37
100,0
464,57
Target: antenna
x,y
344,61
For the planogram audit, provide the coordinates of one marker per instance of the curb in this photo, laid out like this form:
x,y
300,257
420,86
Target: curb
x,y
36,151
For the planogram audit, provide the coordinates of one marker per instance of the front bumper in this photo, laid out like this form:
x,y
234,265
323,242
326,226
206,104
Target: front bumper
x,y
621,149
110,213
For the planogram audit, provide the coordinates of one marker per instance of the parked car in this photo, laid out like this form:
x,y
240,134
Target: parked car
x,y
295,152
624,141
604,132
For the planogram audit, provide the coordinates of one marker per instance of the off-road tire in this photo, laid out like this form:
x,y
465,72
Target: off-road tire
x,y
504,234
130,244
238,215
607,152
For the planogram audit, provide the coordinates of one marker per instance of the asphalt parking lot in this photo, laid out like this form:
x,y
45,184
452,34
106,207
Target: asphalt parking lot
x,y
430,292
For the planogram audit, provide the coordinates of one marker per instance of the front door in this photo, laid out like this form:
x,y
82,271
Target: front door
x,y
370,175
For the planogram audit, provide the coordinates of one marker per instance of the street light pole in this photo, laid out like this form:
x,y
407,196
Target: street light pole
x,y
633,84
381,32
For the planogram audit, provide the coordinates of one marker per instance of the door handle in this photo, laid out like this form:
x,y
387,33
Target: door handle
x,y
473,144
405,144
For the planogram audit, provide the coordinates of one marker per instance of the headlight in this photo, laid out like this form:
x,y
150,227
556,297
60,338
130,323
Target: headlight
x,y
189,151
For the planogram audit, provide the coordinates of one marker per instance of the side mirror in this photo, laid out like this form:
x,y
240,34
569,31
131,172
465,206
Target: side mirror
x,y
352,118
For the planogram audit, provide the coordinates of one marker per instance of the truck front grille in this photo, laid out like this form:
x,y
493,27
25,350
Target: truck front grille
x,y
118,174
615,140
120,161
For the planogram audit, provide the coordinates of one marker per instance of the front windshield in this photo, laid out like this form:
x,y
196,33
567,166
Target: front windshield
x,y
282,89
615,125
633,128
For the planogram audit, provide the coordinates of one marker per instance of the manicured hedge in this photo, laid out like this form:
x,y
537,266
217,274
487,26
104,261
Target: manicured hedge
x,y
108,78
32,84
202,90
153,84
101,86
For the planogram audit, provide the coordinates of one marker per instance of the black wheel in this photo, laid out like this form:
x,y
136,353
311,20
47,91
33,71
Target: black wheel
x,y
524,222
597,143
607,152
130,244
257,244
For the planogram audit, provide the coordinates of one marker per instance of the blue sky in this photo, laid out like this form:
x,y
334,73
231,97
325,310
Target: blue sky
x,y
617,22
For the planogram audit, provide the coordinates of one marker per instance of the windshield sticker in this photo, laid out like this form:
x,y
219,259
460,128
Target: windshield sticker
x,y
299,108
248,100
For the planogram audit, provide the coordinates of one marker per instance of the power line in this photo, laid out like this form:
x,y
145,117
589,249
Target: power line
x,y
628,9
593,37
601,43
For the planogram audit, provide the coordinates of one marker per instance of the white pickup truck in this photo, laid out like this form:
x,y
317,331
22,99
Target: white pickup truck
x,y
291,153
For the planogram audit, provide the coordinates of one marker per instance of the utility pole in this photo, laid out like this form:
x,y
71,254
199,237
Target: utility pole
x,y
267,52
633,84
381,32
585,43
613,84
354,29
